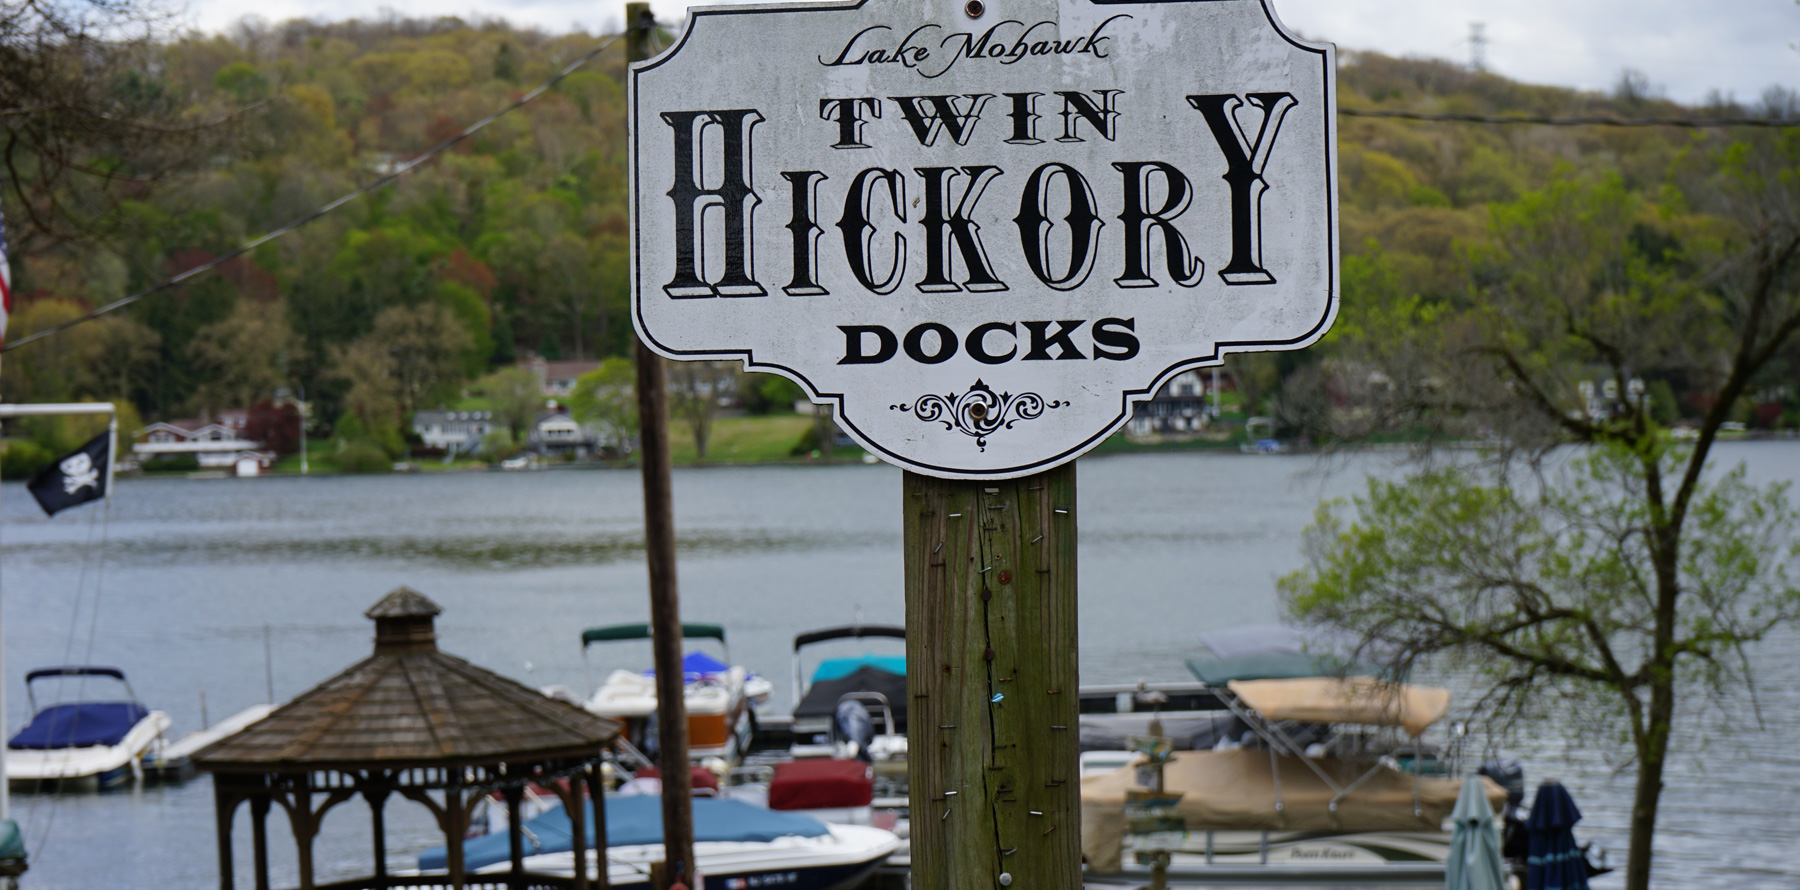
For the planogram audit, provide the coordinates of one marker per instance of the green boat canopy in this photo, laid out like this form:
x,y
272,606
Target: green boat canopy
x,y
612,633
1216,671
12,843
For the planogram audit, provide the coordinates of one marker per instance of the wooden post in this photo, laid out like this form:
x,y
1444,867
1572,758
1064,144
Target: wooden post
x,y
659,552
259,838
992,672
225,804
597,794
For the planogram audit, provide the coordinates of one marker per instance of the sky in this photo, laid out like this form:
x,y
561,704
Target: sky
x,y
1687,48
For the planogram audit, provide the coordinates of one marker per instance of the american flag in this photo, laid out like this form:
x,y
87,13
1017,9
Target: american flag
x,y
5,282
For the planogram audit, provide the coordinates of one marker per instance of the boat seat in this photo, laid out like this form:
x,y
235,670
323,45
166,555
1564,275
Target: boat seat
x,y
79,725
820,784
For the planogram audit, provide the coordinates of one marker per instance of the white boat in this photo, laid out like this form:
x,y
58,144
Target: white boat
x,y
737,846
91,742
721,697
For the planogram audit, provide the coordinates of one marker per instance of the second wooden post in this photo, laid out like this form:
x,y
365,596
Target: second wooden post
x,y
991,674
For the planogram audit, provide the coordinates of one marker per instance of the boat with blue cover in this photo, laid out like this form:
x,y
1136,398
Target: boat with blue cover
x,y
100,742
721,697
736,846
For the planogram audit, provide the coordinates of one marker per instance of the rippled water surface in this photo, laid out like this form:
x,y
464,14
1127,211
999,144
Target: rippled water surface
x,y
196,575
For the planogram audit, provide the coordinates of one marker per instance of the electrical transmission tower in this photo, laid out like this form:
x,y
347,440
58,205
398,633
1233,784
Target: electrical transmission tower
x,y
1478,46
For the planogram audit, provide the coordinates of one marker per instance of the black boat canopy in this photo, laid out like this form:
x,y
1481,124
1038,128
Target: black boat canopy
x,y
848,632
616,632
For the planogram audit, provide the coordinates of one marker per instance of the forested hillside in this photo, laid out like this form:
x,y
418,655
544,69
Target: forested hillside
x,y
514,242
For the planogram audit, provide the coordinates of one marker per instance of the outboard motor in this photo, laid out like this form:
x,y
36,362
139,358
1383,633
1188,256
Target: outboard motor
x,y
852,724
1514,845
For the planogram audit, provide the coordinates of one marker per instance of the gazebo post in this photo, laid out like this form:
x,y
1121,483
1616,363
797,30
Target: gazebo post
x,y
514,831
376,791
597,794
259,837
454,828
224,809
578,834
300,819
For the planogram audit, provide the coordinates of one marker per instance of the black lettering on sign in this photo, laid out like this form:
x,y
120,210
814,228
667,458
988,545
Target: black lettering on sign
x,y
1245,160
1078,107
1141,222
941,114
734,196
805,229
1116,333
859,232
1024,118
1035,227
915,343
885,344
976,343
1041,340
848,113
944,229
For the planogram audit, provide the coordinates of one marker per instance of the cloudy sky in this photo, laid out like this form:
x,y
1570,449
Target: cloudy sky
x,y
1686,47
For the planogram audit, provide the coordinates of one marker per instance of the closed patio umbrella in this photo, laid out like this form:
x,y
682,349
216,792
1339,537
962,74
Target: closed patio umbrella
x,y
1474,862
1554,862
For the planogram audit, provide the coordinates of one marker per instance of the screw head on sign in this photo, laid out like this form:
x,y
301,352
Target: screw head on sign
x,y
974,9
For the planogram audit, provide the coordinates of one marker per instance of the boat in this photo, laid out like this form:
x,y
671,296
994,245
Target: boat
x,y
101,743
875,683
721,697
737,846
1301,764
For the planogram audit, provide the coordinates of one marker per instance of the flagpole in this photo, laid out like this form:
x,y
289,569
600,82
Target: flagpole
x,y
112,454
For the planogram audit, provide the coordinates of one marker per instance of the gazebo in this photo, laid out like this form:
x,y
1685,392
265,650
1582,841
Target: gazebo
x,y
428,726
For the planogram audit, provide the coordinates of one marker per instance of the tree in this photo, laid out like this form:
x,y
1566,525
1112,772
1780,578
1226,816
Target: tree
x,y
277,427
513,397
426,348
695,391
243,358
607,396
1629,574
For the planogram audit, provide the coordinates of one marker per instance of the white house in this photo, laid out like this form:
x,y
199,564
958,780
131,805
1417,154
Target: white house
x,y
452,430
216,444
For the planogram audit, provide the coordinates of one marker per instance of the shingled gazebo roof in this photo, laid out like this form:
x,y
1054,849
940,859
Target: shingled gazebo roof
x,y
410,705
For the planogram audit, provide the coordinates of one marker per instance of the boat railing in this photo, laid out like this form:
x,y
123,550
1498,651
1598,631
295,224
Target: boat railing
x,y
889,727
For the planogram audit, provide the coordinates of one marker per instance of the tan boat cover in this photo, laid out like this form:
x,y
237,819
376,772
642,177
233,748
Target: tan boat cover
x,y
1235,791
1361,700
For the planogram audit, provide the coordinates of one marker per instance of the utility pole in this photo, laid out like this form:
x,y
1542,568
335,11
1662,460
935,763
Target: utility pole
x,y
659,552
302,407
1478,46
991,673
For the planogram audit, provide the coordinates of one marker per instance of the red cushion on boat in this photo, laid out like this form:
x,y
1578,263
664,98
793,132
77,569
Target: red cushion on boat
x,y
699,776
821,784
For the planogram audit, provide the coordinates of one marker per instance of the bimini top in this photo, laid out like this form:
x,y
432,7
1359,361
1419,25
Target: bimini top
x,y
1364,701
848,632
615,632
632,821
1276,652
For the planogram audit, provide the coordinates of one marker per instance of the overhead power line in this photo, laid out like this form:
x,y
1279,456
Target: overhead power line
x,y
1590,121
378,183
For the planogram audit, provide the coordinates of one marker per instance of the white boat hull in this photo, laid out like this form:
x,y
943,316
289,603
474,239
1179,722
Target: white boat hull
x,y
835,861
104,765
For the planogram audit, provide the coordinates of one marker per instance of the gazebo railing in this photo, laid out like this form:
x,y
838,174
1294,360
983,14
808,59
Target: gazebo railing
x,y
506,881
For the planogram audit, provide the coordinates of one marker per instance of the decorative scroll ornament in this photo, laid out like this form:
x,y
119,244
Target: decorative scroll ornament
x,y
980,412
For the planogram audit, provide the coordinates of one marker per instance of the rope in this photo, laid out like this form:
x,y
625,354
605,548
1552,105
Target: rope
x,y
378,183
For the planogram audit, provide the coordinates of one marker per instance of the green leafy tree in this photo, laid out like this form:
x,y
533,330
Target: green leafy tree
x,y
1630,576
607,397
243,358
696,390
513,397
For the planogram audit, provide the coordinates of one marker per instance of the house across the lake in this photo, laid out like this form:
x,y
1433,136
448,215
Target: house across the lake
x,y
217,444
453,431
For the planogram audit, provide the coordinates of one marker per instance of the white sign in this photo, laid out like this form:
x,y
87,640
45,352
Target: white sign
x,y
983,232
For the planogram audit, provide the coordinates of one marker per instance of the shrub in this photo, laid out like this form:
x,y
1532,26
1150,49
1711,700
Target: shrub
x,y
364,457
23,458
172,463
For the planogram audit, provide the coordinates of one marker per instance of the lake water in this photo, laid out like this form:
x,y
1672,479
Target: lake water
x,y
197,575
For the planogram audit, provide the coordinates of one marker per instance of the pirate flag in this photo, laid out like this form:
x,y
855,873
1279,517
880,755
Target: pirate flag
x,y
79,477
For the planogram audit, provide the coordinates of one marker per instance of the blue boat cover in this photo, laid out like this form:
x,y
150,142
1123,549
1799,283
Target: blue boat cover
x,y
837,668
631,821
80,725
696,666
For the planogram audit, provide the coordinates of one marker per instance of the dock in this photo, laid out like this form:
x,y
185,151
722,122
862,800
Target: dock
x,y
173,762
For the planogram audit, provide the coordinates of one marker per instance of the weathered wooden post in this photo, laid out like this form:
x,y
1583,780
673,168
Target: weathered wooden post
x,y
991,672
981,231
659,553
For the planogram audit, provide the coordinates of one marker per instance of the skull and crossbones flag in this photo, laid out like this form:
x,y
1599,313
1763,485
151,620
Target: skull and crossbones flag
x,y
75,479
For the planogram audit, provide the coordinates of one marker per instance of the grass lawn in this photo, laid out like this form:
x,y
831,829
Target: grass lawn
x,y
741,439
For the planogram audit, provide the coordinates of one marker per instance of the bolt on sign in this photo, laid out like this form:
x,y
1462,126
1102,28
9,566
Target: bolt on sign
x,y
982,231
